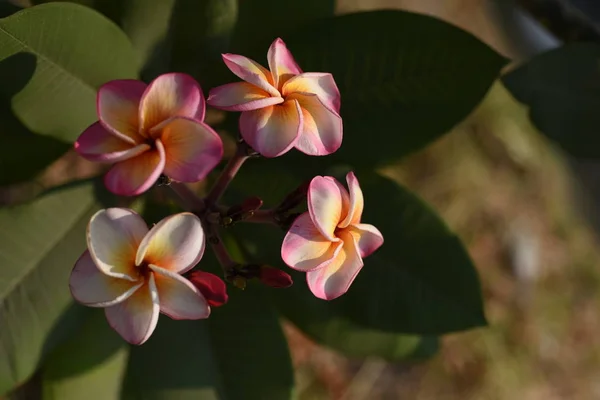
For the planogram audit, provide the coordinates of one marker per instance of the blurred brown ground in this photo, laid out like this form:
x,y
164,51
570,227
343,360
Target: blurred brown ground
x,y
511,197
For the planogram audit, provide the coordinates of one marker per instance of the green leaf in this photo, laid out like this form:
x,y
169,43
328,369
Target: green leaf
x,y
421,281
562,89
90,366
15,138
39,244
262,21
146,23
200,32
76,51
405,79
238,353
252,353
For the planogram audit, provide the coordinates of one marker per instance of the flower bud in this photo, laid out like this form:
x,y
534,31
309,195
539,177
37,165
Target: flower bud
x,y
211,286
274,277
239,282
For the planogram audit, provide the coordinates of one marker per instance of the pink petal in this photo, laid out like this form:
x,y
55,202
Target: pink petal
x,y
356,202
321,84
322,127
252,72
113,236
367,238
179,299
135,318
241,96
136,175
117,105
334,279
304,248
92,287
273,130
192,149
176,243
171,95
281,63
325,205
98,144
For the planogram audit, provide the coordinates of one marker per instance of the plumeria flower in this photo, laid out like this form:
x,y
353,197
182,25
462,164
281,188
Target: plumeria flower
x,y
329,242
148,130
135,273
284,107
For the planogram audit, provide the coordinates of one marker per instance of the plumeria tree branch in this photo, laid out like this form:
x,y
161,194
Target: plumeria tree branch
x,y
190,200
242,153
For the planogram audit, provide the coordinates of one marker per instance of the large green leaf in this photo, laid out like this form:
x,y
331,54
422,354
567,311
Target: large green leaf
x,y
262,21
90,366
562,89
238,353
405,79
200,32
177,362
39,244
251,351
76,51
421,281
15,139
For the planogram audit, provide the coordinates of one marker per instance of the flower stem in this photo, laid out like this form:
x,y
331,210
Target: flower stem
x,y
188,198
214,239
262,217
242,153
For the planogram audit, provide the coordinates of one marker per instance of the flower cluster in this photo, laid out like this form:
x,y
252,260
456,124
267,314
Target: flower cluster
x,y
158,130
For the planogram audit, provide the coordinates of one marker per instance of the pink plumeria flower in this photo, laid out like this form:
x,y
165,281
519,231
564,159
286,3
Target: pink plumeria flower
x,y
282,108
135,273
329,242
147,130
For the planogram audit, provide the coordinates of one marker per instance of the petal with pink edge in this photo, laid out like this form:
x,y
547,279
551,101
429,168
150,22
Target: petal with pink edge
x,y
135,318
117,105
113,237
176,243
367,238
252,72
171,95
304,248
281,63
136,175
325,204
318,83
334,279
241,96
273,130
192,149
357,202
322,129
97,144
92,287
179,298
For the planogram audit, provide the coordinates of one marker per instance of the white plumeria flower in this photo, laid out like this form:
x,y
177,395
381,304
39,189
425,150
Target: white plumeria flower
x,y
135,273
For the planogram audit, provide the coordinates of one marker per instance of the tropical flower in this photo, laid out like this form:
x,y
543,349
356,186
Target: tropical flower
x,y
284,107
148,130
134,273
329,242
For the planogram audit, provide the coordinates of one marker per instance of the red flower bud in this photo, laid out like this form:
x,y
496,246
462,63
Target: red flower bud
x,y
274,277
211,286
